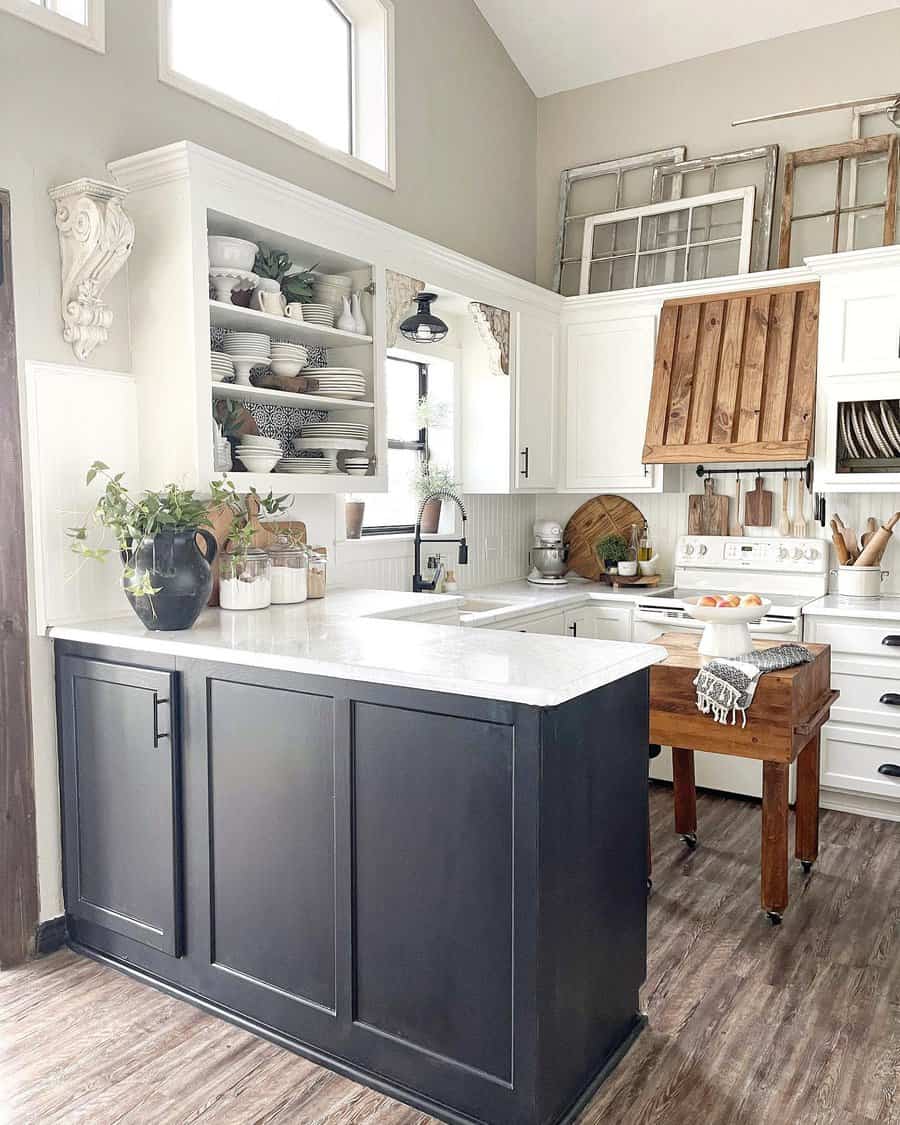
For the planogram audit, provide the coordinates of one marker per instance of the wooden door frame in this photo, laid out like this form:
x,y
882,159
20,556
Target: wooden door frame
x,y
19,903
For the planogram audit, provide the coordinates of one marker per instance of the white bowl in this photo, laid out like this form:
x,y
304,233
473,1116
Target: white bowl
x,y
259,464
288,367
726,615
726,634
236,253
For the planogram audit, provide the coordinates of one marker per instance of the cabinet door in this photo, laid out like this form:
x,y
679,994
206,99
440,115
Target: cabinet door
x,y
536,397
609,370
860,323
599,622
119,742
551,623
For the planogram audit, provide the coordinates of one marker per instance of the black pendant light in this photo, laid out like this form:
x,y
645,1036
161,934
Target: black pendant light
x,y
424,328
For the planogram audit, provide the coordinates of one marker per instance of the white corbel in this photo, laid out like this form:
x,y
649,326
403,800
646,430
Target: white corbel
x,y
95,239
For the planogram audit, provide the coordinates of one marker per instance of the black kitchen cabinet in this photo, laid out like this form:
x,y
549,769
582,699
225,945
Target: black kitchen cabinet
x,y
441,896
119,742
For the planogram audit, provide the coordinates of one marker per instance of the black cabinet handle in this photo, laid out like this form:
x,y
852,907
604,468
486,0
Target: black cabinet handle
x,y
524,456
890,769
892,640
891,698
573,628
158,735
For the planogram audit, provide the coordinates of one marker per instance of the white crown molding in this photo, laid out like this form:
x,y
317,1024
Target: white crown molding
x,y
95,239
404,252
875,258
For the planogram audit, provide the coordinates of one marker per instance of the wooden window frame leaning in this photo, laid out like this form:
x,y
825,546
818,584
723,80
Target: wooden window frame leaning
x,y
860,112
618,168
826,154
677,170
746,195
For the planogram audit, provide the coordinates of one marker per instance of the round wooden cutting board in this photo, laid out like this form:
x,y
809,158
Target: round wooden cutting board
x,y
600,516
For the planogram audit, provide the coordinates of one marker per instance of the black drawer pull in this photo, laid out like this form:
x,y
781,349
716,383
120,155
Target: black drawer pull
x,y
890,769
158,735
892,640
891,698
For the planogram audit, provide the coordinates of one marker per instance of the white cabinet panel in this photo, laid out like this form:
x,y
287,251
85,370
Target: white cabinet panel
x,y
851,757
860,318
550,623
600,622
536,368
609,370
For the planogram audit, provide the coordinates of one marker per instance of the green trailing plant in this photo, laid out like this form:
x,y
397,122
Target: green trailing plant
x,y
229,413
611,548
243,507
131,519
272,264
430,478
299,286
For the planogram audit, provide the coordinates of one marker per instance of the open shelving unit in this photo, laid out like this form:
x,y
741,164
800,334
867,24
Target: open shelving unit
x,y
252,320
290,399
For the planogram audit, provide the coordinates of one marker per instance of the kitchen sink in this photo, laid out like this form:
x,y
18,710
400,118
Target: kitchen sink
x,y
482,605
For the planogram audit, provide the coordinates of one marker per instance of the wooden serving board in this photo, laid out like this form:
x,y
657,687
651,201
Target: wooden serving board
x,y
758,506
600,516
708,513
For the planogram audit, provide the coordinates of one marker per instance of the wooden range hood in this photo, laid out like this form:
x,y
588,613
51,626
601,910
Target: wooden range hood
x,y
734,377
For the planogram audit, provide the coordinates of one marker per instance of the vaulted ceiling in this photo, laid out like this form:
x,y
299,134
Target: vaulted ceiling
x,y
563,44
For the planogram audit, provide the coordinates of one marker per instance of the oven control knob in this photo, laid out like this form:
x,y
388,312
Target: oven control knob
x,y
783,552
811,553
702,549
797,553
689,548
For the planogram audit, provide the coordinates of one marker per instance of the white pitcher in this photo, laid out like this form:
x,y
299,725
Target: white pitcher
x,y
345,321
359,321
267,297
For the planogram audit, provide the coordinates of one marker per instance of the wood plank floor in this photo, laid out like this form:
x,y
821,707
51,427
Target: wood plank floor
x,y
797,1025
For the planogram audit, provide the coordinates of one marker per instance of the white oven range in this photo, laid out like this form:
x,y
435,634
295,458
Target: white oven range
x,y
788,572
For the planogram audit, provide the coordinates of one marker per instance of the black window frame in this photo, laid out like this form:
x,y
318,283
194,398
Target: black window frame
x,y
420,445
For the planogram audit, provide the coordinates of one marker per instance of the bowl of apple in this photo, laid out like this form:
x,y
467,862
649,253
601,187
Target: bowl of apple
x,y
727,618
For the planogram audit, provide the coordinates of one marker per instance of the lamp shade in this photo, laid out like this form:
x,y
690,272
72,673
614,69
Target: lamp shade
x,y
424,327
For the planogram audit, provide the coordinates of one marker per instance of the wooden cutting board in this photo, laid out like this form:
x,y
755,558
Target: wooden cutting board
x,y
600,516
708,512
758,506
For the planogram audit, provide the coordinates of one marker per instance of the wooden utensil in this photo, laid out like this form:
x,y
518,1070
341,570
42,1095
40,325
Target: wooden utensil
x,y
843,555
600,516
708,513
871,528
736,526
784,522
849,535
798,524
875,548
758,506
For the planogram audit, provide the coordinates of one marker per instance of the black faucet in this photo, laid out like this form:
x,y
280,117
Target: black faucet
x,y
419,584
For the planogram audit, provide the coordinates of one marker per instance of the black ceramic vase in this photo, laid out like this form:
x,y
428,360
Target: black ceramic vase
x,y
180,572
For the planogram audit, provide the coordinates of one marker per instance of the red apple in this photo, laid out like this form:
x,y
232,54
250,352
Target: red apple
x,y
751,599
707,599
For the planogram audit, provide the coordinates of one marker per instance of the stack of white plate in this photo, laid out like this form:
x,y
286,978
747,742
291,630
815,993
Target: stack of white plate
x,y
312,465
333,436
288,359
356,466
330,289
221,367
247,344
339,382
259,454
319,314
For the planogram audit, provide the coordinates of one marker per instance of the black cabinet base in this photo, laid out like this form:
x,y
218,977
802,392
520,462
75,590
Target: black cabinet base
x,y
348,1070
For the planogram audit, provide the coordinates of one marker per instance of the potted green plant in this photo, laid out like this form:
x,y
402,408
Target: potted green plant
x,y
611,550
297,286
245,572
166,578
429,479
270,266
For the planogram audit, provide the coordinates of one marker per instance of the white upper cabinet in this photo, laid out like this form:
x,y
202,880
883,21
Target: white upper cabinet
x,y
608,374
860,321
536,393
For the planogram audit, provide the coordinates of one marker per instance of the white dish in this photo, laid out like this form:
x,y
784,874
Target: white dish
x,y
226,279
235,253
337,444
875,432
890,427
357,472
726,615
244,364
726,633
286,367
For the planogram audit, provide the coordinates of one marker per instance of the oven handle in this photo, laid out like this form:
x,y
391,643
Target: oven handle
x,y
669,624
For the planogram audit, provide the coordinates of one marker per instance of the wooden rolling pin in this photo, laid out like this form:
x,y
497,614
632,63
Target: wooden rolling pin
x,y
875,548
843,555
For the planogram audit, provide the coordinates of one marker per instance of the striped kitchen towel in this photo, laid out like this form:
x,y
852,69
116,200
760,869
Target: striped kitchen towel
x,y
726,687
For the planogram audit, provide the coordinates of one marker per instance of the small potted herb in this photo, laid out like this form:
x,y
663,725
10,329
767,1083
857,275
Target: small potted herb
x,y
429,479
166,578
245,573
611,550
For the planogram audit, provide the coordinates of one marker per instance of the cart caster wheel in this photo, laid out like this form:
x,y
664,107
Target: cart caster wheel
x,y
690,838
774,917
649,886
806,864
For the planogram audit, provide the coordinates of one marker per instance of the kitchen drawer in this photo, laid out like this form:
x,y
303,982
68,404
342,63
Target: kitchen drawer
x,y
856,637
552,623
851,756
862,685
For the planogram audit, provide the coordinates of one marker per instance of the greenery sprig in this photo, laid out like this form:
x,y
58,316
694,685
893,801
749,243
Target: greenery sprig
x,y
272,264
243,511
299,286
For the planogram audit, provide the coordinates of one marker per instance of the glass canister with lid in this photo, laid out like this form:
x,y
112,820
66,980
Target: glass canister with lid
x,y
315,578
245,579
289,571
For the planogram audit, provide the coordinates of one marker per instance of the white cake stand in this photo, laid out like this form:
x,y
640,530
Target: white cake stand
x,y
726,633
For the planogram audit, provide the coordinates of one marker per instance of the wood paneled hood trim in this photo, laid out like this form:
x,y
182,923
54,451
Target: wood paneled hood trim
x,y
734,377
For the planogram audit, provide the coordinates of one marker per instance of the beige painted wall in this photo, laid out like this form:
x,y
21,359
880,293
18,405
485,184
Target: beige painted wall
x,y
693,103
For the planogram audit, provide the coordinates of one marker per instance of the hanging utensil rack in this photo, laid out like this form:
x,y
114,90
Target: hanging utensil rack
x,y
761,471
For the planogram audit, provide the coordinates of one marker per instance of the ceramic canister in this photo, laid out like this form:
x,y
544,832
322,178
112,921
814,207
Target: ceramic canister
x,y
860,581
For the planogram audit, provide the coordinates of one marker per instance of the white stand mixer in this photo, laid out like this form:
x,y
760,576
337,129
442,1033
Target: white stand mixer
x,y
548,555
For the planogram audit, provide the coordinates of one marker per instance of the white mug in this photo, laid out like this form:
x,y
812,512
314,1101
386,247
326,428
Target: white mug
x,y
269,300
628,568
294,310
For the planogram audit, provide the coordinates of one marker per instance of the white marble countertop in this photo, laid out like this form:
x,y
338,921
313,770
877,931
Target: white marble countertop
x,y
524,597
839,605
347,635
